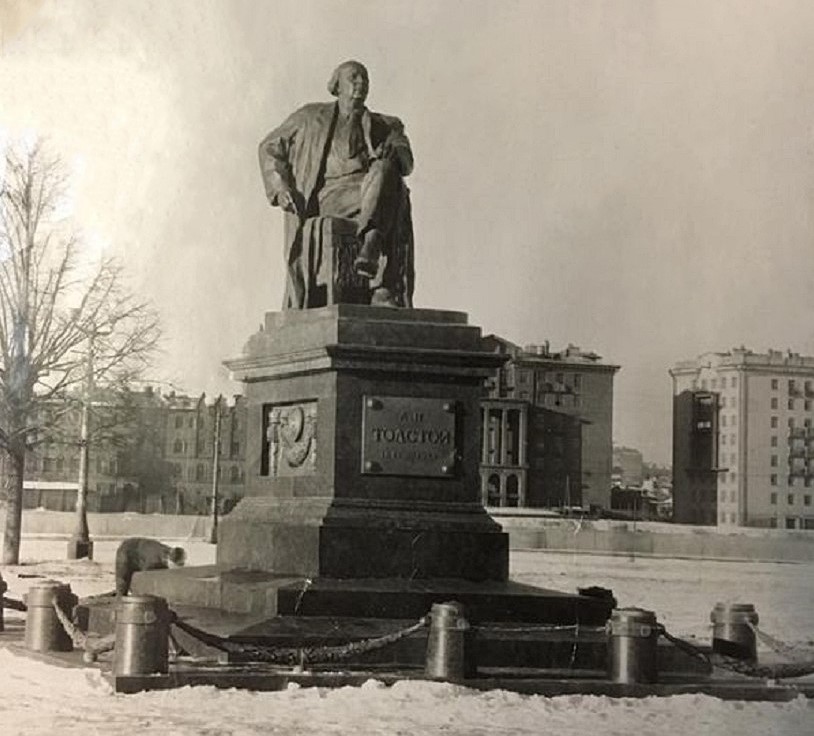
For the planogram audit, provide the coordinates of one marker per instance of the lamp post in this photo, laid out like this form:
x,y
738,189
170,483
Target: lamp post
x,y
216,472
80,544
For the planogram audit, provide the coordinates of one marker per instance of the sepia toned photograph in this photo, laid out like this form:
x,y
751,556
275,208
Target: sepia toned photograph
x,y
432,367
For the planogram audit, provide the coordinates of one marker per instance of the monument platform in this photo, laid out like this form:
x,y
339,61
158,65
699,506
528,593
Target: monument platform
x,y
363,496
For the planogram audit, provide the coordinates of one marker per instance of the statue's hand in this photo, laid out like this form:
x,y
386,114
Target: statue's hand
x,y
286,200
384,151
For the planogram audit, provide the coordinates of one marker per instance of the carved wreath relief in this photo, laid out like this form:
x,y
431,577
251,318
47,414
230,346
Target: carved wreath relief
x,y
292,439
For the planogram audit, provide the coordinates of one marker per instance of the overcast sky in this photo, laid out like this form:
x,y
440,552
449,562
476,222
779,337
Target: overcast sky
x,y
636,178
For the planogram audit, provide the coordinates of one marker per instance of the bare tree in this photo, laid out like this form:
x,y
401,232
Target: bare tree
x,y
65,324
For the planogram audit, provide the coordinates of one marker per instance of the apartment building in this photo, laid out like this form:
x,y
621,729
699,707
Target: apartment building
x,y
547,422
743,442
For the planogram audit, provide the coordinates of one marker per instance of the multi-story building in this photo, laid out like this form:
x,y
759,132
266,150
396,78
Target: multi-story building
x,y
190,437
547,420
628,466
743,441
157,457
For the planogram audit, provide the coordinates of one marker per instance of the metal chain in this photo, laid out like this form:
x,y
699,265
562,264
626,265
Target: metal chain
x,y
13,605
776,645
297,655
744,667
93,645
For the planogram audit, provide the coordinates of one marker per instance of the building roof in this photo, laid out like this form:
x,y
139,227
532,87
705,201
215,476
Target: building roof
x,y
541,354
743,358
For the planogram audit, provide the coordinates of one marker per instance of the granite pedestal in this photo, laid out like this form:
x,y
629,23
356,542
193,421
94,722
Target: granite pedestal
x,y
363,490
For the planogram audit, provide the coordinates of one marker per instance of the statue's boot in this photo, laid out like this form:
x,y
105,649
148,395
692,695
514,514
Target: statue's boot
x,y
383,297
367,262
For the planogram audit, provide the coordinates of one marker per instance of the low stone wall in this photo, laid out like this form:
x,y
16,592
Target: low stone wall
x,y
526,531
656,539
158,526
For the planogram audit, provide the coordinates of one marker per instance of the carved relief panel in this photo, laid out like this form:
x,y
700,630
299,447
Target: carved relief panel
x,y
291,435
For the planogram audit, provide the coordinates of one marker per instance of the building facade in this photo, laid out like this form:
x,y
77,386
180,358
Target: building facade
x,y
157,459
743,441
547,420
628,467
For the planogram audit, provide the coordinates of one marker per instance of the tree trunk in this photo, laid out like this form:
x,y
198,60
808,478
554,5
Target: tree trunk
x,y
14,504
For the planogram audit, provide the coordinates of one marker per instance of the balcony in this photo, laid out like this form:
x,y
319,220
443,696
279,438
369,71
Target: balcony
x,y
800,451
798,433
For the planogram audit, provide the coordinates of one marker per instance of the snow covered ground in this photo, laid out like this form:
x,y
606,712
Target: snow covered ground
x,y
39,699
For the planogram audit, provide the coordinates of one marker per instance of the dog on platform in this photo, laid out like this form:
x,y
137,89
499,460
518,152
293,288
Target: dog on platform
x,y
137,554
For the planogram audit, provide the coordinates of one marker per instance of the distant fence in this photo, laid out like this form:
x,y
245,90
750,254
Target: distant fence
x,y
162,526
656,539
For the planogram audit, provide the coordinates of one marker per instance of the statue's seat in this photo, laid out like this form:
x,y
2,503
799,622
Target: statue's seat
x,y
330,247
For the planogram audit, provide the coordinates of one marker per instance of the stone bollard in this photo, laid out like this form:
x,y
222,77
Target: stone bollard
x,y
632,645
43,630
732,632
450,650
142,636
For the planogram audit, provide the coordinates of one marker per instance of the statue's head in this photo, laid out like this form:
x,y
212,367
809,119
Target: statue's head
x,y
350,82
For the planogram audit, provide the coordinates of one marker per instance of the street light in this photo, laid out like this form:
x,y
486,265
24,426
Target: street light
x,y
213,539
80,544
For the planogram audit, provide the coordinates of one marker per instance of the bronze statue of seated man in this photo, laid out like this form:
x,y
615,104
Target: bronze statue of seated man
x,y
342,160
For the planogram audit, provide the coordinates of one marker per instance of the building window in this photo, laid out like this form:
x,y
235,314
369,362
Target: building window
x,y
807,405
704,384
722,439
732,496
723,401
178,447
773,499
790,480
774,422
774,461
722,517
179,421
791,404
732,518
774,440
733,381
723,420
732,477
773,479
577,381
790,499
774,403
713,384
734,419
773,523
806,500
774,384
791,422
792,386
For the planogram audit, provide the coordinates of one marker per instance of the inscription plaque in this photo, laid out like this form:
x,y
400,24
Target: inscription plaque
x,y
408,436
